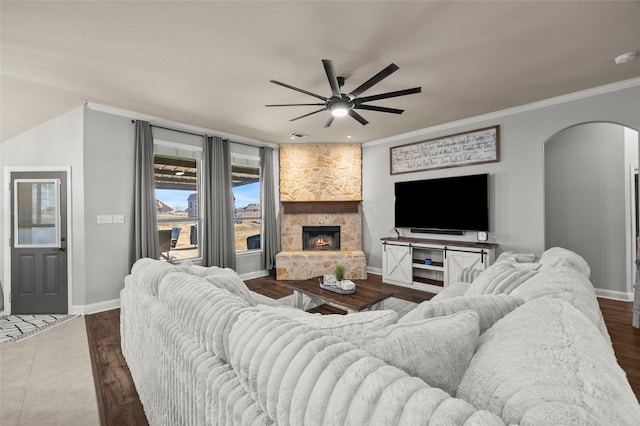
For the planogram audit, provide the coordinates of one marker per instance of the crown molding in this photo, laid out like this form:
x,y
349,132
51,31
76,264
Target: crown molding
x,y
176,125
587,93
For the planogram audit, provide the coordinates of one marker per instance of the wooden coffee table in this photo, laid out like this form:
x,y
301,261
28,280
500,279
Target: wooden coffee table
x,y
366,296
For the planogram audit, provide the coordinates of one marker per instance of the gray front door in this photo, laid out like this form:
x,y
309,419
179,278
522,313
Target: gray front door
x,y
38,243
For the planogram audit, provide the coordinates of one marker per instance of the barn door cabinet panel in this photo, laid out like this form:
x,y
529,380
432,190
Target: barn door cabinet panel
x,y
396,264
431,265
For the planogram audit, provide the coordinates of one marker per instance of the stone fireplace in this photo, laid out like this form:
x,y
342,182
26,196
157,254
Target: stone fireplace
x,y
320,188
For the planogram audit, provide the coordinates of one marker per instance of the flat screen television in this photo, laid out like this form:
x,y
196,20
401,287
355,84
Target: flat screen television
x,y
458,203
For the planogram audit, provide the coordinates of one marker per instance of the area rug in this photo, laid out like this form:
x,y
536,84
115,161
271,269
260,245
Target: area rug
x,y
14,328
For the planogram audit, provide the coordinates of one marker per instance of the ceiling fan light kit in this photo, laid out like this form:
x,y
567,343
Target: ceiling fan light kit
x,y
342,104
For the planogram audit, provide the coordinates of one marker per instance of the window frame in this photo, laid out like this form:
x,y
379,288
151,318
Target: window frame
x,y
164,148
239,151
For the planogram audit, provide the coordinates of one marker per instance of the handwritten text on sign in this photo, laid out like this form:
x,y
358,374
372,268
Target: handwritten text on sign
x,y
462,149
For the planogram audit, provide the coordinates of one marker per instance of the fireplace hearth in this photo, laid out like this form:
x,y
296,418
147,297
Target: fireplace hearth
x,y
320,238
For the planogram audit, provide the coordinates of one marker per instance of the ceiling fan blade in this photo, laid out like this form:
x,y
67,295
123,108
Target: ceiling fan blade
x,y
288,86
375,80
279,105
306,115
358,117
378,108
329,121
390,94
331,76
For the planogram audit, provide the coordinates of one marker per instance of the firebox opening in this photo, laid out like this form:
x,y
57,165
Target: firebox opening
x,y
320,238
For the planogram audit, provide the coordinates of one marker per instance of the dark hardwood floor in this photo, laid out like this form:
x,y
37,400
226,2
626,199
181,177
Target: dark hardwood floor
x,y
118,399
624,338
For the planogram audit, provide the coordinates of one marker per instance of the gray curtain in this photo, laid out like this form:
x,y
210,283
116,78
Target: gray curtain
x,y
218,245
270,232
145,232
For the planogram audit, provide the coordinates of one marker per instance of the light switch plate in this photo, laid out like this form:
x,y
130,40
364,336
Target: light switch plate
x,y
104,218
118,218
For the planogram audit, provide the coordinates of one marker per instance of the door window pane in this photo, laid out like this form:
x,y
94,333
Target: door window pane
x,y
37,214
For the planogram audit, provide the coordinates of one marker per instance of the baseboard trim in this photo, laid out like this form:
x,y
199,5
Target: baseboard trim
x,y
95,308
614,295
256,274
376,271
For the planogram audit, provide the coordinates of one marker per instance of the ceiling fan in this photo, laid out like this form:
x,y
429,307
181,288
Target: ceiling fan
x,y
341,104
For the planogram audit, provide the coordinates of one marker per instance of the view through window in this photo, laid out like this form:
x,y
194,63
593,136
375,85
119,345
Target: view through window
x,y
245,176
177,206
178,202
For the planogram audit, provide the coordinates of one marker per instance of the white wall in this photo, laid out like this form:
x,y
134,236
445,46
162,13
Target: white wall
x,y
517,180
54,144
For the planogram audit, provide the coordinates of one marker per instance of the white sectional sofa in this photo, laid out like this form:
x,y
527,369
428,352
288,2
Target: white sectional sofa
x,y
525,343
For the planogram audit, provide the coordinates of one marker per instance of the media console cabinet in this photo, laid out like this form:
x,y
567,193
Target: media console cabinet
x,y
430,265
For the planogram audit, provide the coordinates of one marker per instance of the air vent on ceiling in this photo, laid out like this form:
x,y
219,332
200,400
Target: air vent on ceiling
x,y
298,135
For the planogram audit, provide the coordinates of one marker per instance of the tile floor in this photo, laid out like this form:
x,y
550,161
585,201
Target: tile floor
x,y
47,379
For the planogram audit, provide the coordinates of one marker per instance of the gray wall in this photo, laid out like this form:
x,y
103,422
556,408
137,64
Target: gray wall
x,y
108,178
585,198
517,218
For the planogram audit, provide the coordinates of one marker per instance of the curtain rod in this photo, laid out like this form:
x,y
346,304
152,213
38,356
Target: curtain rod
x,y
196,134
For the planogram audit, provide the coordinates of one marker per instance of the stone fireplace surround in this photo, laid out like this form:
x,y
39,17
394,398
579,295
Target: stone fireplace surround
x,y
320,185
294,263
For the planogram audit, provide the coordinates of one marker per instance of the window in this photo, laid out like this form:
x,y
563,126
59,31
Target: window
x,y
177,180
179,200
245,177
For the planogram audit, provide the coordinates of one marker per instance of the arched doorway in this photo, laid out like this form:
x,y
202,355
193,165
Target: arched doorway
x,y
590,202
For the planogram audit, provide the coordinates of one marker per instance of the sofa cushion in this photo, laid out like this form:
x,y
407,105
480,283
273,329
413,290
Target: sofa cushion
x,y
546,364
516,257
437,350
490,308
346,326
454,289
559,256
300,375
232,283
501,277
567,284
149,272
204,311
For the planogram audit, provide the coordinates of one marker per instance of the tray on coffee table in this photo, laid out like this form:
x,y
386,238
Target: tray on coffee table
x,y
366,297
337,289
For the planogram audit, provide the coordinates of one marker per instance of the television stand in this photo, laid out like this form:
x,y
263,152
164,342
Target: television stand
x,y
430,265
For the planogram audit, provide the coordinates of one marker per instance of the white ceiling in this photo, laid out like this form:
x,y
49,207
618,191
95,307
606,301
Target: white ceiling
x,y
208,63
